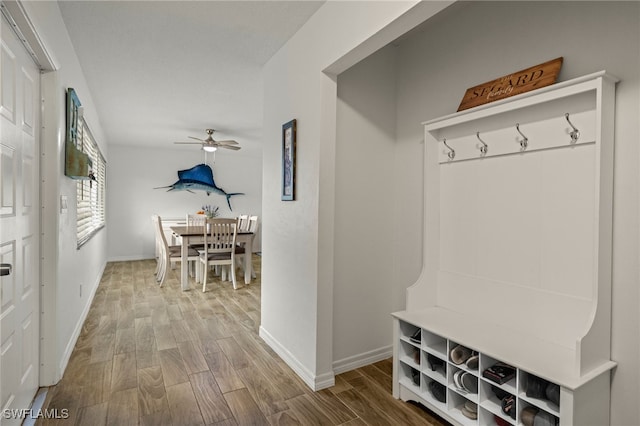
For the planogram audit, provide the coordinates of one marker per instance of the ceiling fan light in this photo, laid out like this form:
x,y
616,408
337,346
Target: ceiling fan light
x,y
209,148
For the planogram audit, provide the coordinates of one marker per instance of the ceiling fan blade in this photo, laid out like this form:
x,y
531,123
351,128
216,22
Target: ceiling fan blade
x,y
188,143
227,142
198,139
235,148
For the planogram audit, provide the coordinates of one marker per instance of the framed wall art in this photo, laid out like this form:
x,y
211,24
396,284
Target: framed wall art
x,y
288,160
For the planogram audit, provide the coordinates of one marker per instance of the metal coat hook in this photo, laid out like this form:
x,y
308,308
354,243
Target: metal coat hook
x,y
484,148
575,134
524,143
452,153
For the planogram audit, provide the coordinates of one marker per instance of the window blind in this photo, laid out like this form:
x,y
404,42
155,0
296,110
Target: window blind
x,y
90,193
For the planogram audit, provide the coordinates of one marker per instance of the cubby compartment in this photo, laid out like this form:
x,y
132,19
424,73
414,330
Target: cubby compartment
x,y
491,397
527,415
463,357
487,362
434,344
487,418
409,376
409,354
435,392
457,408
539,392
463,383
407,330
435,367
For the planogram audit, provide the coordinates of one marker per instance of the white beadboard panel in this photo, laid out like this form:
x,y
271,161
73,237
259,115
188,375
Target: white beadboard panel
x,y
458,224
508,219
570,220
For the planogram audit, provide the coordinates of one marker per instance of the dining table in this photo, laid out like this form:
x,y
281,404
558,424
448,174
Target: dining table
x,y
195,234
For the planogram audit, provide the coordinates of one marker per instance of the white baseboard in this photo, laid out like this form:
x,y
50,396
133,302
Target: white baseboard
x,y
129,258
316,383
360,360
71,344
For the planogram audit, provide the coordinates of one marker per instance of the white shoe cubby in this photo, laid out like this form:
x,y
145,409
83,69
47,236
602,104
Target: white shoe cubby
x,y
517,239
488,404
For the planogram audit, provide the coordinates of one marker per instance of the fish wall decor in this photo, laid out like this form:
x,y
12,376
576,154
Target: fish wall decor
x,y
200,178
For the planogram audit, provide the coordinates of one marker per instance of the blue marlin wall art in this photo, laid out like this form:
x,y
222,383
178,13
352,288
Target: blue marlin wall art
x,y
200,178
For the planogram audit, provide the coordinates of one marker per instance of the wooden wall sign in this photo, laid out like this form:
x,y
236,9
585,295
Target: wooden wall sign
x,y
512,84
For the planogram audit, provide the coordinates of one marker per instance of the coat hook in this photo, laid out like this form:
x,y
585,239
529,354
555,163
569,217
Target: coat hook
x,y
484,148
524,143
452,153
575,134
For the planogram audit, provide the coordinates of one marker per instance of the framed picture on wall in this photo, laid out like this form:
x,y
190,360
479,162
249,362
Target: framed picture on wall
x,y
289,160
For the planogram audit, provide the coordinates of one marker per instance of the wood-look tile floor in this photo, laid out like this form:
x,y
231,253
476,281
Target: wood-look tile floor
x,y
160,356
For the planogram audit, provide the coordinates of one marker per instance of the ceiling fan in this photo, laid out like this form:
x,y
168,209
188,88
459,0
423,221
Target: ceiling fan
x,y
211,145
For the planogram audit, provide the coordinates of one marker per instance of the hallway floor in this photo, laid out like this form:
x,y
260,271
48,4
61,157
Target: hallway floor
x,y
159,356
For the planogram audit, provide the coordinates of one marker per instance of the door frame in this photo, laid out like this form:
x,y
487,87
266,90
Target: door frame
x,y
15,12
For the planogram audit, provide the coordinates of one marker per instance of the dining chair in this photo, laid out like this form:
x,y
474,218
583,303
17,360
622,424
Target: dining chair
x,y
220,248
158,252
243,222
195,219
169,253
252,226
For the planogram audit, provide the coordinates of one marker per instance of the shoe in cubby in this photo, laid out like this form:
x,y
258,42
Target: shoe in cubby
x,y
539,392
498,373
531,415
492,399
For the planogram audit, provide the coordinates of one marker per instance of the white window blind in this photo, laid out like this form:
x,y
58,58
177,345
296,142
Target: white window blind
x,y
90,193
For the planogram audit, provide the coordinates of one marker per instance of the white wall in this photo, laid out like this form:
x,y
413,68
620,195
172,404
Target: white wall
x,y
365,144
298,241
436,65
64,269
134,172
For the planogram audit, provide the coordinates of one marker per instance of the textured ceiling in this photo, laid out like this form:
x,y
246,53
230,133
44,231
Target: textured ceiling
x,y
160,71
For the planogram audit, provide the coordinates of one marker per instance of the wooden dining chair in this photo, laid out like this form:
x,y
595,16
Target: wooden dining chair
x,y
243,222
252,226
220,248
195,219
169,253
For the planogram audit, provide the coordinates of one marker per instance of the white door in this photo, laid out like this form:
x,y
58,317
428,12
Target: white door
x,y
19,224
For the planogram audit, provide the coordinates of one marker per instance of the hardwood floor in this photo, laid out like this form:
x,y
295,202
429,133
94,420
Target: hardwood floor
x,y
160,356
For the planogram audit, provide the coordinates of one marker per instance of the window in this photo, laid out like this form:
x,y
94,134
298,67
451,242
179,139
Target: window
x,y
90,193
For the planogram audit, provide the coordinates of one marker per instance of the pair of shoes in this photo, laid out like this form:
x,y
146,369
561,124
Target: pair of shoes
x,y
542,389
439,391
470,410
508,406
532,416
416,337
460,354
434,362
465,381
499,372
472,362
